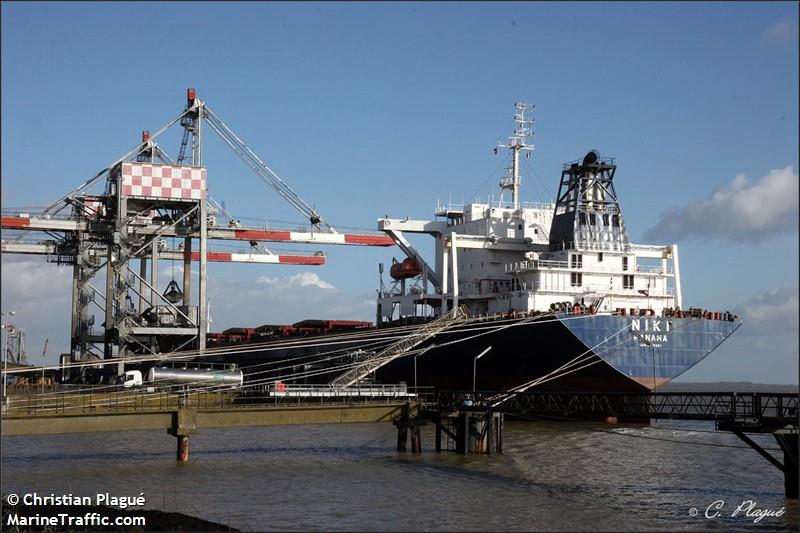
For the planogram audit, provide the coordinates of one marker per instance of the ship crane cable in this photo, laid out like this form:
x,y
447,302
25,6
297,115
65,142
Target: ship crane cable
x,y
492,174
533,172
565,369
267,174
55,402
323,371
407,353
382,340
206,387
347,366
94,389
560,372
223,351
390,357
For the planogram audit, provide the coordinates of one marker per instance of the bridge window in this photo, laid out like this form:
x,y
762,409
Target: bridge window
x,y
605,220
576,279
624,263
582,218
627,281
592,219
576,261
615,221
600,257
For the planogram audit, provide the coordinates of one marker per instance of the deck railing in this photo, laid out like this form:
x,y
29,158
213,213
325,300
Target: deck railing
x,y
98,399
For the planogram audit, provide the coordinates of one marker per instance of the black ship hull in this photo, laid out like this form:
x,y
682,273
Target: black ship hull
x,y
589,353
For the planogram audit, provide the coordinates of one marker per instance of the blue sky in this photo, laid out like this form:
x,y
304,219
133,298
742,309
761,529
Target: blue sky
x,y
381,108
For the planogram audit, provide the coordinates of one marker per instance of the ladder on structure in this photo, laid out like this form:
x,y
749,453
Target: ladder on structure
x,y
372,362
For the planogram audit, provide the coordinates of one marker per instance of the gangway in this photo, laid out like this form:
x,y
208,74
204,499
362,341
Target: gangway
x,y
373,362
291,390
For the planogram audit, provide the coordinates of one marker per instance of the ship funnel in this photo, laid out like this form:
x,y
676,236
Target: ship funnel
x,y
591,158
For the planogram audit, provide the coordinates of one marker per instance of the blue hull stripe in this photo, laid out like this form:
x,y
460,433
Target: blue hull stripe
x,y
639,347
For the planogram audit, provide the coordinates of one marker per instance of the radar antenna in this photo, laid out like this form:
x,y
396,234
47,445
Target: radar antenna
x,y
517,143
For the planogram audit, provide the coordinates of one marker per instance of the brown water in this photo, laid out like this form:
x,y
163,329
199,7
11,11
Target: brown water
x,y
552,476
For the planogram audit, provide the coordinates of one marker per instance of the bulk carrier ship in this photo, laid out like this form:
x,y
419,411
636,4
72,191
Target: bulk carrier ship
x,y
517,295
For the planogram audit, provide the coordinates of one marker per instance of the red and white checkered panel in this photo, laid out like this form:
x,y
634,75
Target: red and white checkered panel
x,y
163,181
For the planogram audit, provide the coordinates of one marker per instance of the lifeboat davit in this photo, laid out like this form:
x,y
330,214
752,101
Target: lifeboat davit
x,y
407,269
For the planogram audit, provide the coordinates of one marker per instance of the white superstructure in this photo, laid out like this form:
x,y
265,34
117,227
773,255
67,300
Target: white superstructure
x,y
500,257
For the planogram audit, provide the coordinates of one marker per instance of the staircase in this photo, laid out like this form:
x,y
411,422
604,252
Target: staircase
x,y
374,361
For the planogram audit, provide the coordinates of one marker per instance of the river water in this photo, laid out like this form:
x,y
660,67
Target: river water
x,y
553,476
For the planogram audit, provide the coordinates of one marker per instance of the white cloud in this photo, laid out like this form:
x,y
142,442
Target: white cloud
x,y
303,279
764,348
771,311
175,270
284,300
741,211
40,293
781,33
308,279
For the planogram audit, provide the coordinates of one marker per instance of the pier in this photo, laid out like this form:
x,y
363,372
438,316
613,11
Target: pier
x,y
464,422
740,413
182,414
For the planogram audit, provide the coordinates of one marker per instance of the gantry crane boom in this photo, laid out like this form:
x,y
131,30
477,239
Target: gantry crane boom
x,y
31,222
264,171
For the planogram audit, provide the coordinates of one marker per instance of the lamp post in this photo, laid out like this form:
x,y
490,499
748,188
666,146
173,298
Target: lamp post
x,y
415,363
475,366
44,352
5,353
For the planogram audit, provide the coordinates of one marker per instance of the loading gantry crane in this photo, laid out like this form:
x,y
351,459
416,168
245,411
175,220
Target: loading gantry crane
x,y
149,198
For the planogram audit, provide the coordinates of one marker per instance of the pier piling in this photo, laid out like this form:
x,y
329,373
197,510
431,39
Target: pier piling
x,y
409,422
402,437
183,448
788,443
416,440
184,423
469,431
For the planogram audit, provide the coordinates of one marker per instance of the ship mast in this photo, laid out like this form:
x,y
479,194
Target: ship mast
x,y
516,143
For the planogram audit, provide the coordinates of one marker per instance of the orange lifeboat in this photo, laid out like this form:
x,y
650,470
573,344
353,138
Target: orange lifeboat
x,y
407,269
